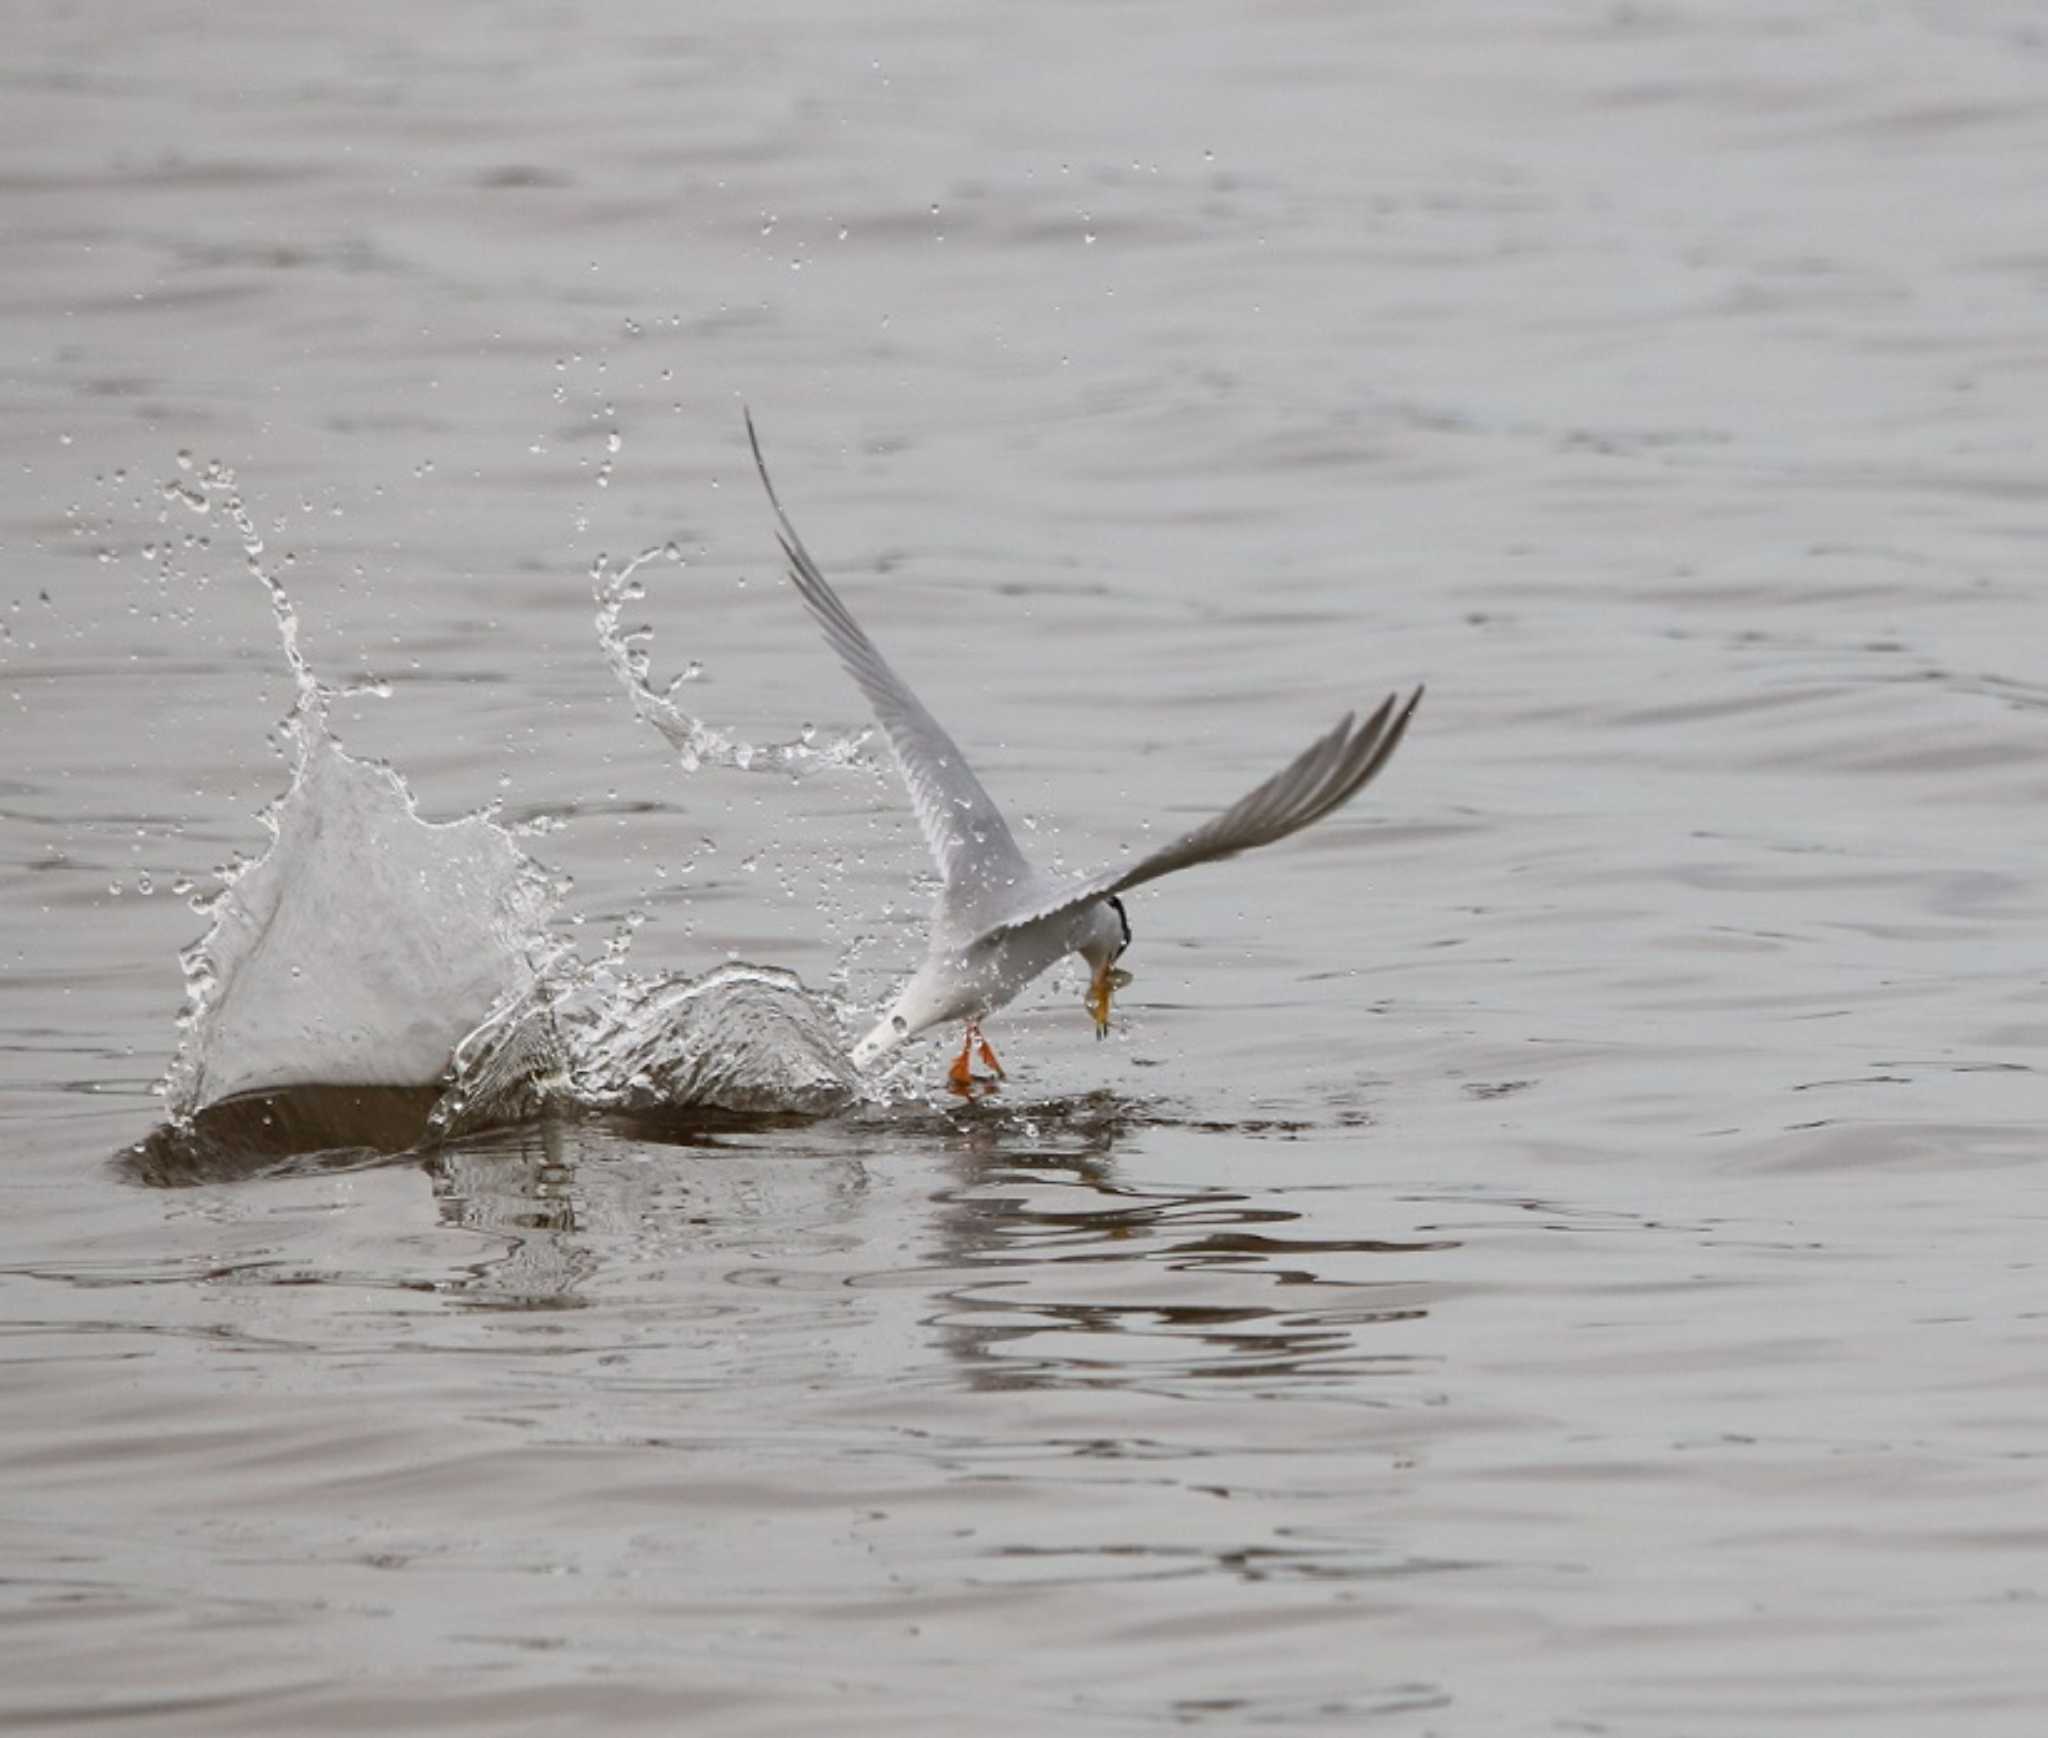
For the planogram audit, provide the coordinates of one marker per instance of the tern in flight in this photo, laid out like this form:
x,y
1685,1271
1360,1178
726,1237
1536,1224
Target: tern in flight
x,y
1000,921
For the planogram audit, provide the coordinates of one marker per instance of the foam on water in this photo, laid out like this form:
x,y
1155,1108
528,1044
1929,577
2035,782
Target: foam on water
x,y
369,947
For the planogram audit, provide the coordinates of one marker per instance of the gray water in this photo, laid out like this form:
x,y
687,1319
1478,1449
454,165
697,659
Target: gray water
x,y
1555,1250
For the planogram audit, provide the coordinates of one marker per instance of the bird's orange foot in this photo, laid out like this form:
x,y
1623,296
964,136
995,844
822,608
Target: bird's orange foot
x,y
961,1076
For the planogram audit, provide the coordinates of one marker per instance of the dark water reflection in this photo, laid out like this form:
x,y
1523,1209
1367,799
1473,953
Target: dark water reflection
x,y
1081,1278
299,1131
517,1188
1013,1367
1045,1268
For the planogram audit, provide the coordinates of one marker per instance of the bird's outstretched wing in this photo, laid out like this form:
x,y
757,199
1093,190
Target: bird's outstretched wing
x,y
969,839
1321,779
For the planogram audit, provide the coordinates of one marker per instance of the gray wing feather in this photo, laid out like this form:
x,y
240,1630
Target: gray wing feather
x,y
1321,779
969,839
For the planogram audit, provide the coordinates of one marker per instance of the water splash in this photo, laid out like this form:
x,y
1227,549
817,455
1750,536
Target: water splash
x,y
739,1038
368,947
365,943
697,743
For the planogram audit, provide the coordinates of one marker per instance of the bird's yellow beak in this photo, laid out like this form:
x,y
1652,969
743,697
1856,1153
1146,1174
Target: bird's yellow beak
x,y
1107,982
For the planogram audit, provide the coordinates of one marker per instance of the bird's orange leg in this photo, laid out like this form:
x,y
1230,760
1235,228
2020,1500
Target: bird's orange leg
x,y
988,1055
961,1074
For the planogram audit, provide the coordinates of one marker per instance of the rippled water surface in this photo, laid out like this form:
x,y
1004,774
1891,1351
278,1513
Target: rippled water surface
x,y
1558,1249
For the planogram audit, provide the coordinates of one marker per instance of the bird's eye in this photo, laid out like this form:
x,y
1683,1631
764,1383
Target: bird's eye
x,y
897,1020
